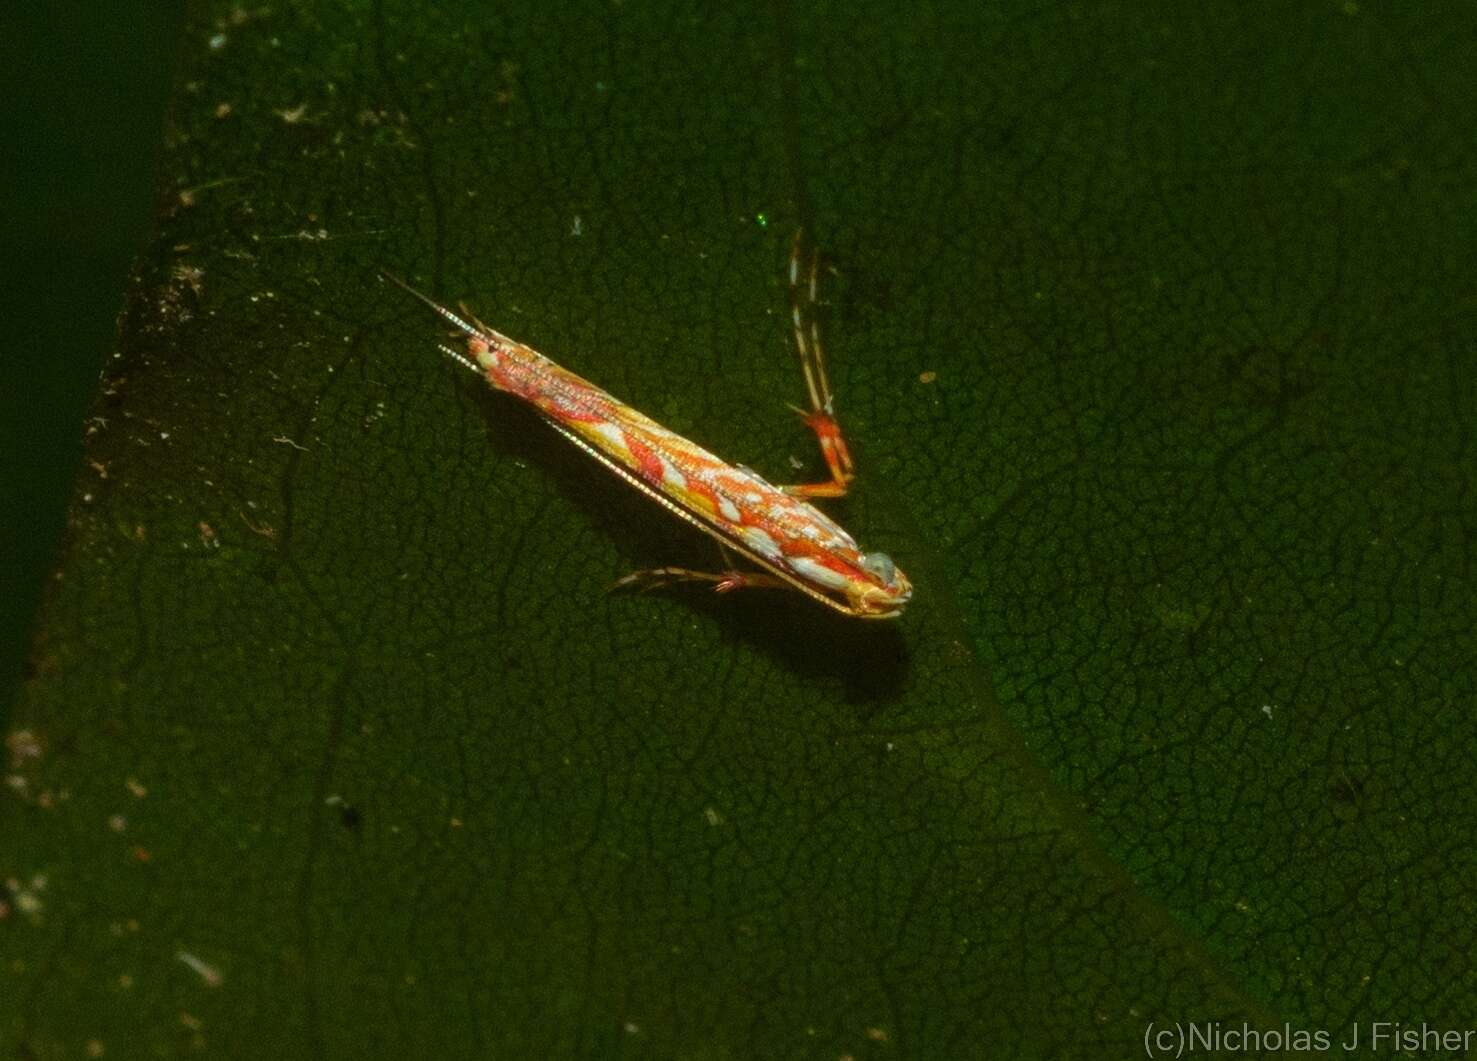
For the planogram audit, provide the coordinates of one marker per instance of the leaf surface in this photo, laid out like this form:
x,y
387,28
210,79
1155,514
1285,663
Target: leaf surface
x,y
1153,334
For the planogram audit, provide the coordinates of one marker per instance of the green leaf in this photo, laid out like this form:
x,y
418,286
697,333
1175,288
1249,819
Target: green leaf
x,y
1153,333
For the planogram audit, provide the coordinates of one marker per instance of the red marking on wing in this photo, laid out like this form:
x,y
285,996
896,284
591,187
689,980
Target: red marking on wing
x,y
648,464
792,544
555,392
504,375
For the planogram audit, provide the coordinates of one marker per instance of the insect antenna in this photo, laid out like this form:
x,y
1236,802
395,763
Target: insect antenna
x,y
459,357
438,307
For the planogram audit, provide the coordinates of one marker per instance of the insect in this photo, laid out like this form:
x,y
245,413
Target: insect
x,y
775,527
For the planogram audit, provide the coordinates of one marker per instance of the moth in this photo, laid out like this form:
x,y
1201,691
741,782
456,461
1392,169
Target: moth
x,y
794,544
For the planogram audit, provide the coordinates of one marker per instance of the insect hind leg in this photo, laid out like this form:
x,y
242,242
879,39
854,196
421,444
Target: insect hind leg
x,y
821,417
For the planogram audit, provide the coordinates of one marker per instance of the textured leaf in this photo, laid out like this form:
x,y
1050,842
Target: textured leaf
x,y
1153,330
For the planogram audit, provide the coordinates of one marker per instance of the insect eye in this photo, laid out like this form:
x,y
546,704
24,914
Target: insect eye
x,y
879,564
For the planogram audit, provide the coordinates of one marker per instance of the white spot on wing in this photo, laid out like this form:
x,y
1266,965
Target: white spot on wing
x,y
613,435
670,475
761,543
727,509
819,573
838,537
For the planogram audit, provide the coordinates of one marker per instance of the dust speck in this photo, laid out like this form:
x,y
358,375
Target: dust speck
x,y
24,747
209,974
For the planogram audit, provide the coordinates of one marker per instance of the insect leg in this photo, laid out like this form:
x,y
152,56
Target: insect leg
x,y
821,417
723,581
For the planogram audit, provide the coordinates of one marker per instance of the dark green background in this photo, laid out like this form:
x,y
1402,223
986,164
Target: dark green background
x,y
331,697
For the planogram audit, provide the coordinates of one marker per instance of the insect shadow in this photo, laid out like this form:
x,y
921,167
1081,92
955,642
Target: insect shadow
x,y
870,659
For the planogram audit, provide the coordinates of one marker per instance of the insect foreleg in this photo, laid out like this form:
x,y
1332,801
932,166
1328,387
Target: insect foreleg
x,y
723,581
